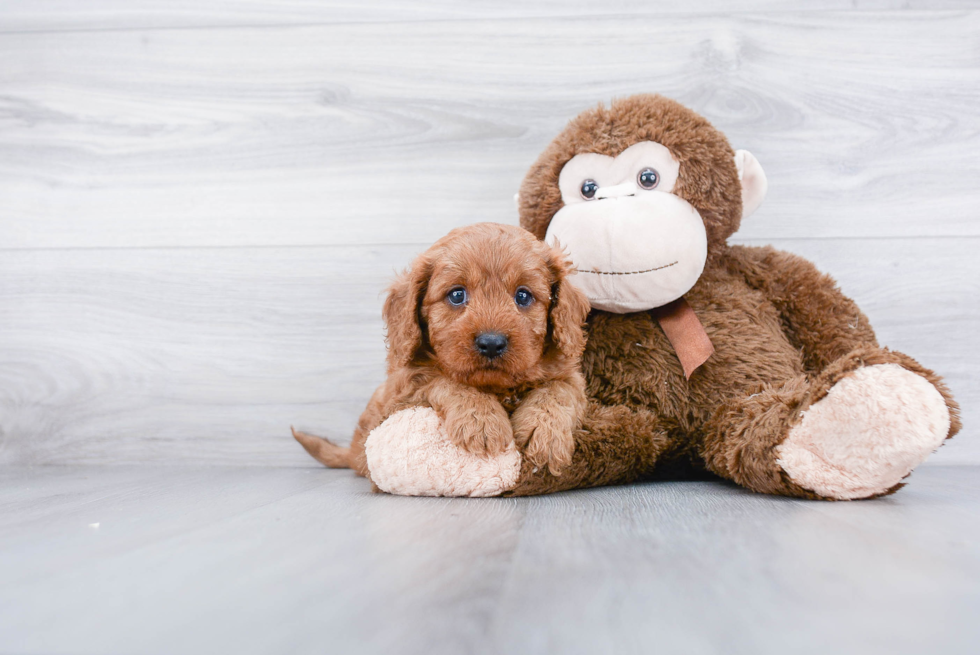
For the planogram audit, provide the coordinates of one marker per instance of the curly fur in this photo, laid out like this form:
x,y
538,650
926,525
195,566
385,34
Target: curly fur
x,y
533,395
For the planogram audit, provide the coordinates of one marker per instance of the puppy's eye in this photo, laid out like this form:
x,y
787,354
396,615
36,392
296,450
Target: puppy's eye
x,y
648,178
523,297
456,296
588,189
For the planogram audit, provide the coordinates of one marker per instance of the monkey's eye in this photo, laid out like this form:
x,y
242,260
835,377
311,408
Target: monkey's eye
x,y
589,187
523,297
456,296
648,178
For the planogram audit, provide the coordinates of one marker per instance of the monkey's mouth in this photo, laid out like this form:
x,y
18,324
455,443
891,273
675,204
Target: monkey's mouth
x,y
649,270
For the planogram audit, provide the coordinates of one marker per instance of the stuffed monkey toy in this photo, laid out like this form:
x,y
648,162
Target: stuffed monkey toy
x,y
745,362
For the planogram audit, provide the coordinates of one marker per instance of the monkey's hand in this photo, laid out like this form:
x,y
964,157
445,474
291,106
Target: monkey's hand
x,y
544,423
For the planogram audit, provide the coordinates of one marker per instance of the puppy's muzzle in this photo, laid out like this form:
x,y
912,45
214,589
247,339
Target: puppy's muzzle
x,y
491,344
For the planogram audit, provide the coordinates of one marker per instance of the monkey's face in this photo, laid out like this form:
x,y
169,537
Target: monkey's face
x,y
643,195
635,244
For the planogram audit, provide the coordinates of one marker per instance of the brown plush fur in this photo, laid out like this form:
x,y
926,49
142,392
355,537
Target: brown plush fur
x,y
783,332
533,394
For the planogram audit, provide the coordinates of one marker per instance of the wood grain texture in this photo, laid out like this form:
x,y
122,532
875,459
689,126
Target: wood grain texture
x,y
201,203
184,356
187,560
395,132
61,15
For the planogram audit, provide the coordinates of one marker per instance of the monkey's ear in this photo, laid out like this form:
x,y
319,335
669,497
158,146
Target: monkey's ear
x,y
569,308
753,179
402,313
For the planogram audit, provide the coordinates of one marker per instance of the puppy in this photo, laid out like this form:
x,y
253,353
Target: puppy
x,y
484,329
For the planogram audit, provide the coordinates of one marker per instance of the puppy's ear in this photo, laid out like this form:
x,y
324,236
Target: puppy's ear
x,y
569,307
402,313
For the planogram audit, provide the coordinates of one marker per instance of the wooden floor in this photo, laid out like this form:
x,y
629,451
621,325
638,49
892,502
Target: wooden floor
x,y
247,560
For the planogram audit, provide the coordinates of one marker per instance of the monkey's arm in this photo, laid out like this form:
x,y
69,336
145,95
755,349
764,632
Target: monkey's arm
x,y
614,445
819,319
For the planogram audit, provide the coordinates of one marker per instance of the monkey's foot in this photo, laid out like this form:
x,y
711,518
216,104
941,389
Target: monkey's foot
x,y
870,430
410,454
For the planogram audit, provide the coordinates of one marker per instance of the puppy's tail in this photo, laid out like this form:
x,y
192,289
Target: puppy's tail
x,y
323,450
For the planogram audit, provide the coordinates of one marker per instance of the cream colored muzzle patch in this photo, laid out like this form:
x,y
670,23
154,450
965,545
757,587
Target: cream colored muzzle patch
x,y
632,253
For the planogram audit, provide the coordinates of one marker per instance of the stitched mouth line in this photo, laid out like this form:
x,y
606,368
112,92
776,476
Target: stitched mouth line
x,y
649,270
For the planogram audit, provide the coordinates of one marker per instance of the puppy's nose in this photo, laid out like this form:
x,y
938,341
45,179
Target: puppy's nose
x,y
491,344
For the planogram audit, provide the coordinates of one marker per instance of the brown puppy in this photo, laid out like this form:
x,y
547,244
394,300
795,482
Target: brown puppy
x,y
484,329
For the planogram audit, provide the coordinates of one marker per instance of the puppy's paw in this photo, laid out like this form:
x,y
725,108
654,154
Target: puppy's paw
x,y
481,431
545,437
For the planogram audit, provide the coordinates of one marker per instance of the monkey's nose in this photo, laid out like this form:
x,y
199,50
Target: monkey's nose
x,y
491,344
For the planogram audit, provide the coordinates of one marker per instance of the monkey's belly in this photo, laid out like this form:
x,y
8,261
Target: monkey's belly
x,y
629,361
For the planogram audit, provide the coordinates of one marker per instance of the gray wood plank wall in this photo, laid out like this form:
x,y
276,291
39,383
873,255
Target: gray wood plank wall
x,y
201,202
